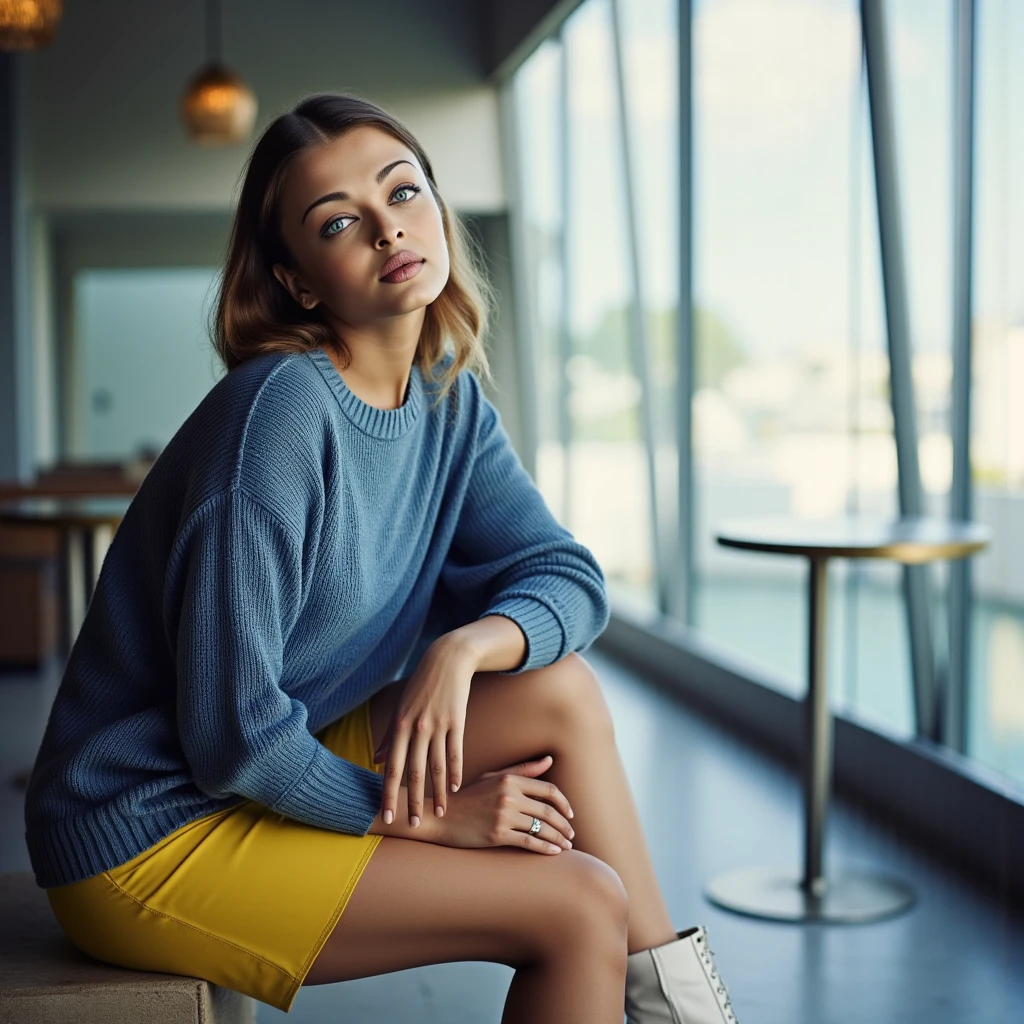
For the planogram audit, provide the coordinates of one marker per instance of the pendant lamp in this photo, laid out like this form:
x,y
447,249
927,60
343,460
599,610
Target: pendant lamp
x,y
28,24
218,108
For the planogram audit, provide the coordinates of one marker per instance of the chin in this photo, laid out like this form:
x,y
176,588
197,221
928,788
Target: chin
x,y
423,294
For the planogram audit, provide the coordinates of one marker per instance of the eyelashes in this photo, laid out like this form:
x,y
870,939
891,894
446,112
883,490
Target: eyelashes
x,y
326,231
408,188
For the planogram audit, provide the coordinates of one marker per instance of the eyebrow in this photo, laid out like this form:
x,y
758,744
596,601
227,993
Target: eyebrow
x,y
338,196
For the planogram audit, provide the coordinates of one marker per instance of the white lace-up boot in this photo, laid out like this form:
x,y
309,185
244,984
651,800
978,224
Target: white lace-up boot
x,y
676,983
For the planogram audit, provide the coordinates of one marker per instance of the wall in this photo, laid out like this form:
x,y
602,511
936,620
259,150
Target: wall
x,y
109,171
102,100
17,370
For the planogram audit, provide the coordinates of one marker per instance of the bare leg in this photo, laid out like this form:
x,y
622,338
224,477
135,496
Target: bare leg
x,y
559,920
588,769
560,710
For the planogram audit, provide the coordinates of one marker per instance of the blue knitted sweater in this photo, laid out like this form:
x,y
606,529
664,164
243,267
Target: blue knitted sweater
x,y
292,551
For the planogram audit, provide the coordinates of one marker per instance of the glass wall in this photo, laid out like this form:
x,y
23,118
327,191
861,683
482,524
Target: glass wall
x,y
569,156
537,88
996,676
791,400
648,32
791,396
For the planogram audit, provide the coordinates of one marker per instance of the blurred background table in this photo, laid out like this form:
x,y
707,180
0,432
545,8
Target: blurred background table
x,y
850,897
86,526
31,605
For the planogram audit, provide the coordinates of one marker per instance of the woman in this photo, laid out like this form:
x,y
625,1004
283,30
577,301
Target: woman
x,y
233,778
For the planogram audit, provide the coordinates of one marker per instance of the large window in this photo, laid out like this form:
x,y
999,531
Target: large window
x,y
578,280
996,674
790,402
790,405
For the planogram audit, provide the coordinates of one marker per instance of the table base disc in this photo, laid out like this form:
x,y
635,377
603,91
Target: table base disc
x,y
777,894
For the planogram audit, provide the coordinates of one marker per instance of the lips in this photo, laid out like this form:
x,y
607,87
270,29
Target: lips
x,y
400,259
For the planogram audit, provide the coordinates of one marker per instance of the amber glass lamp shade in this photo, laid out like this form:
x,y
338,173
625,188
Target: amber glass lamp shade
x,y
218,108
28,24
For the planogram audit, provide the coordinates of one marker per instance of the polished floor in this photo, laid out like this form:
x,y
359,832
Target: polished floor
x,y
709,804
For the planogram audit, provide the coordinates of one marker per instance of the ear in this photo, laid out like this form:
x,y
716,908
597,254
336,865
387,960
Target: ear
x,y
293,284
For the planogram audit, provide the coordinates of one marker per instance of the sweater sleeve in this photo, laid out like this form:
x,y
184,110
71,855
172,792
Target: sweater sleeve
x,y
511,556
239,591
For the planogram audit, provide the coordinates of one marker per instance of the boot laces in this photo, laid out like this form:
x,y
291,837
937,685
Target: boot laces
x,y
706,953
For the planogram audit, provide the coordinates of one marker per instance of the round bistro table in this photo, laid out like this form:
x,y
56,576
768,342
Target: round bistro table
x,y
86,526
850,897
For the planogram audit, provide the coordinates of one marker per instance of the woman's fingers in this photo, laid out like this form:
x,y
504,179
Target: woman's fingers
x,y
557,823
547,840
548,792
416,769
455,756
535,767
438,764
393,771
548,835
380,754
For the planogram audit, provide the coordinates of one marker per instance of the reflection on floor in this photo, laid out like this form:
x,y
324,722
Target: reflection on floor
x,y
709,804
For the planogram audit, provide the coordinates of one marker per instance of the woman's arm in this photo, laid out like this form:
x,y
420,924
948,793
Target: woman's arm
x,y
495,642
510,557
233,597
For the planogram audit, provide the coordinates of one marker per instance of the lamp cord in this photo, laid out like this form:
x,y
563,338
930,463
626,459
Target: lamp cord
x,y
213,31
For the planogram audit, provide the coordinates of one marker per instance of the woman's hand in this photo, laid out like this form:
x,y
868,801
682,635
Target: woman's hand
x,y
427,729
498,810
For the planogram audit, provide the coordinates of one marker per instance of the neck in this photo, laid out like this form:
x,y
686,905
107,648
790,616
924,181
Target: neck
x,y
380,358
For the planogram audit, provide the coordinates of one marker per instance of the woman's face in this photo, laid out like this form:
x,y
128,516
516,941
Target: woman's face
x,y
348,207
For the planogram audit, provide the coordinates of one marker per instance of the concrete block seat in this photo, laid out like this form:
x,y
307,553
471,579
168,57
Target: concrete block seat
x,y
44,977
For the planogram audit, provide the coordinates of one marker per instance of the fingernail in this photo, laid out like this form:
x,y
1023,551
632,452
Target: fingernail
x,y
455,787
571,815
439,811
415,821
389,816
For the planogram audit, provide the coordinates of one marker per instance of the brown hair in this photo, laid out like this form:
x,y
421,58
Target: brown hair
x,y
256,314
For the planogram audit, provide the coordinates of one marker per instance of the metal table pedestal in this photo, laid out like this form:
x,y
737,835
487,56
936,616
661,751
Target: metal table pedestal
x,y
811,895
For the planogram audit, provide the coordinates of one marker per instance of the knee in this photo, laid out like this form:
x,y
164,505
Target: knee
x,y
592,898
574,696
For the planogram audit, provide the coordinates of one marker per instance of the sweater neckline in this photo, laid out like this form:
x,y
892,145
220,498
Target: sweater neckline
x,y
382,423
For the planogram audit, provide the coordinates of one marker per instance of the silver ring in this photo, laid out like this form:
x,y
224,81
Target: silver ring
x,y
535,827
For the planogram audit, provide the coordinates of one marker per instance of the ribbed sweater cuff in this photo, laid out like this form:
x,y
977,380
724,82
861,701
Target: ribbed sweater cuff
x,y
335,794
545,637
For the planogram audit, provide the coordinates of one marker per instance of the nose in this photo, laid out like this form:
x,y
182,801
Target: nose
x,y
388,231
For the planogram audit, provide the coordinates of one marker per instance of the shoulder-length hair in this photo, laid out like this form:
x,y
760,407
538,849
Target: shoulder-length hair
x,y
256,314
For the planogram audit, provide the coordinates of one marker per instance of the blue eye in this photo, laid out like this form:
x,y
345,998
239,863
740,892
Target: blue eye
x,y
407,188
328,233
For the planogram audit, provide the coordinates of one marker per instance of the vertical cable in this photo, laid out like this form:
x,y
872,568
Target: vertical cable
x,y
916,578
523,294
214,33
854,577
955,704
684,570
565,422
639,339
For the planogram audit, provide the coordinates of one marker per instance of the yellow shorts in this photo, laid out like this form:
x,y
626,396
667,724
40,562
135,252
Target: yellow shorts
x,y
245,897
